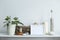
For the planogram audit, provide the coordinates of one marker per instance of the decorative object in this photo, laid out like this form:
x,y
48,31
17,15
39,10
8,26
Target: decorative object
x,y
51,23
46,30
23,29
36,29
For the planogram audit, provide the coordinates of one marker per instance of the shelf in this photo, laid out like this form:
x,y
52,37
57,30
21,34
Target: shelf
x,y
28,36
5,35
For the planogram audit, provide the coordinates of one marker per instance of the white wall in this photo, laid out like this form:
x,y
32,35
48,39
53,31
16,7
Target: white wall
x,y
30,11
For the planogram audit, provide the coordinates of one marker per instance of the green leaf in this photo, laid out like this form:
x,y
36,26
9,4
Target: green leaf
x,y
7,18
21,23
15,18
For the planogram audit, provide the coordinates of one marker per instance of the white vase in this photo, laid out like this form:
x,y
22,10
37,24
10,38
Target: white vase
x,y
11,29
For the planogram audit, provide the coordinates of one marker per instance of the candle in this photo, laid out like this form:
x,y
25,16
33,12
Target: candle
x,y
46,27
20,29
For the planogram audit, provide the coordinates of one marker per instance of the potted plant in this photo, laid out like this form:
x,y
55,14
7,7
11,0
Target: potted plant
x,y
11,25
14,23
7,23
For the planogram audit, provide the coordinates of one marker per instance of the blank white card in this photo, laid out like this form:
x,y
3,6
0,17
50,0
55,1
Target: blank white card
x,y
36,29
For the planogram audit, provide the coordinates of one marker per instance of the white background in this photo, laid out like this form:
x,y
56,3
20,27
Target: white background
x,y
30,11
